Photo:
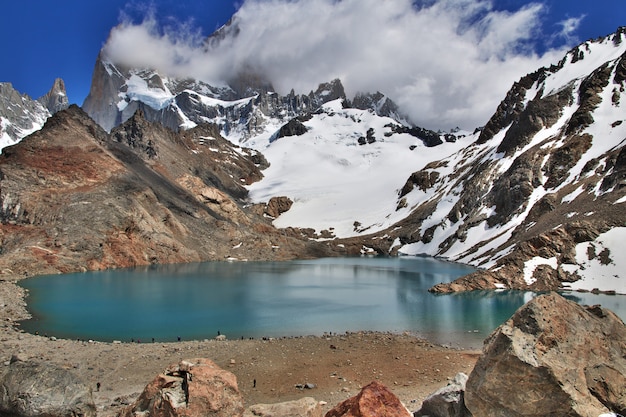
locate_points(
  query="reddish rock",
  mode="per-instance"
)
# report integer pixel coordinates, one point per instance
(374, 400)
(192, 388)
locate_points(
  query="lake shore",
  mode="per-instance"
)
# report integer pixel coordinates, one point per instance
(338, 365)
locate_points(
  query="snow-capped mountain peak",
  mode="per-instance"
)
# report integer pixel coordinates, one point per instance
(20, 115)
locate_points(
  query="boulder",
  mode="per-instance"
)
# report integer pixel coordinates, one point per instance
(38, 389)
(277, 206)
(446, 401)
(304, 407)
(192, 388)
(552, 357)
(374, 400)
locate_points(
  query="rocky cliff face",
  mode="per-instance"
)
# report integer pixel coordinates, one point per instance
(56, 99)
(20, 115)
(247, 108)
(537, 198)
(74, 197)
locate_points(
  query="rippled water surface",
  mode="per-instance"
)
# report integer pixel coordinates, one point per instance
(257, 299)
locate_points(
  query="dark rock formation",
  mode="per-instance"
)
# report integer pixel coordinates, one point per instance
(293, 128)
(553, 357)
(38, 389)
(542, 112)
(447, 401)
(195, 387)
(422, 180)
(428, 137)
(511, 107)
(378, 103)
(374, 400)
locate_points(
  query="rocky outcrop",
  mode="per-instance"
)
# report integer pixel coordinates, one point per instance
(379, 104)
(373, 400)
(277, 206)
(552, 357)
(56, 99)
(304, 407)
(38, 389)
(447, 401)
(422, 180)
(190, 388)
(294, 127)
(511, 107)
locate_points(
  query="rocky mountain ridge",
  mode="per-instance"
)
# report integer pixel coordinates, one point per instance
(537, 199)
(74, 197)
(247, 107)
(20, 115)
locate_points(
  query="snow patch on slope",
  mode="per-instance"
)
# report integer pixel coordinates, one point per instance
(337, 184)
(600, 263)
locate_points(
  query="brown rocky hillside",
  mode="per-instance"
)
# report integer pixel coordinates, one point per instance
(77, 198)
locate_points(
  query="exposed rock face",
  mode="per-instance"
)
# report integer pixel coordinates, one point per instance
(74, 197)
(553, 357)
(38, 389)
(277, 206)
(56, 99)
(192, 388)
(244, 109)
(304, 407)
(447, 401)
(374, 400)
(378, 103)
(293, 128)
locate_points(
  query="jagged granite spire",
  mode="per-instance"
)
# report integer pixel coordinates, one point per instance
(56, 99)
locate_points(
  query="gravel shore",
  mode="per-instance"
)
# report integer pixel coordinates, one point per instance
(338, 365)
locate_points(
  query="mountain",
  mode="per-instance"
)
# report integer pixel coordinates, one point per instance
(20, 115)
(536, 200)
(247, 107)
(189, 171)
(74, 197)
(533, 199)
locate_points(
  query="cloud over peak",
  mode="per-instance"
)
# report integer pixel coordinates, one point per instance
(446, 63)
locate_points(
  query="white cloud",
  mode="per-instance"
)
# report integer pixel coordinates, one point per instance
(569, 27)
(447, 63)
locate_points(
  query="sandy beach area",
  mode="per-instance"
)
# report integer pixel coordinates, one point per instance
(338, 365)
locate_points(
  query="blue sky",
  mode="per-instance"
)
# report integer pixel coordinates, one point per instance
(42, 40)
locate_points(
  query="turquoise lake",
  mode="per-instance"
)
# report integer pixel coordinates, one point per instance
(273, 299)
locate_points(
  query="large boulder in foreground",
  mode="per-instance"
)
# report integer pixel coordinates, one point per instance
(37, 389)
(192, 388)
(374, 400)
(554, 357)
